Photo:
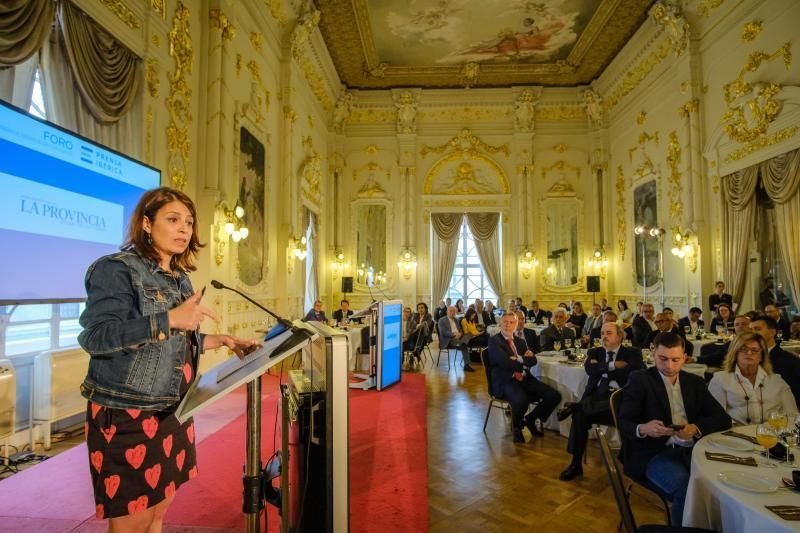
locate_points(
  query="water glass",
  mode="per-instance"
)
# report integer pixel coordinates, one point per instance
(557, 346)
(790, 441)
(778, 420)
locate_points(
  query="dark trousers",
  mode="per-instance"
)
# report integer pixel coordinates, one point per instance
(461, 345)
(582, 423)
(520, 394)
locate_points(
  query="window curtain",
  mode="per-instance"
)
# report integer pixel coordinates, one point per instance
(738, 219)
(487, 241)
(312, 262)
(781, 178)
(444, 247)
(66, 107)
(24, 26)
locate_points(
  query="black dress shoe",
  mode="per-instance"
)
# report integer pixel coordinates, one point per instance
(519, 437)
(570, 472)
(468, 368)
(566, 411)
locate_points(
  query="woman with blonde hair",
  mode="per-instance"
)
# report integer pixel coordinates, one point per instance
(746, 387)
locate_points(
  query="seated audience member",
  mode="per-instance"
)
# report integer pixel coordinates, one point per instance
(421, 330)
(692, 321)
(643, 324)
(604, 305)
(342, 315)
(772, 295)
(665, 323)
(722, 321)
(638, 312)
(658, 435)
(452, 336)
(596, 333)
(714, 354)
(608, 368)
(719, 296)
(556, 331)
(440, 311)
(316, 314)
(460, 307)
(526, 334)
(625, 314)
(489, 310)
(794, 329)
(577, 319)
(536, 314)
(483, 316)
(753, 314)
(510, 363)
(746, 387)
(405, 329)
(469, 325)
(593, 320)
(775, 314)
(784, 363)
(521, 307)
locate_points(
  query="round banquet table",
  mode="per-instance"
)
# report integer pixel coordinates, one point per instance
(712, 504)
(791, 346)
(567, 378)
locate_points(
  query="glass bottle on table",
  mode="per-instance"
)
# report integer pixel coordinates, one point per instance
(767, 437)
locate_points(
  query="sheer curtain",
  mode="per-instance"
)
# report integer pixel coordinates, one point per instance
(781, 178)
(487, 241)
(444, 247)
(738, 218)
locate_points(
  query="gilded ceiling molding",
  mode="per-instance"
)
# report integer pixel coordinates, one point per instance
(406, 104)
(123, 13)
(594, 107)
(160, 7)
(465, 141)
(276, 10)
(560, 112)
(560, 148)
(361, 115)
(179, 100)
(668, 17)
(751, 31)
(151, 76)
(302, 31)
(315, 82)
(620, 204)
(762, 142)
(343, 110)
(525, 110)
(219, 21)
(469, 74)
(633, 77)
(707, 5)
(561, 166)
(465, 114)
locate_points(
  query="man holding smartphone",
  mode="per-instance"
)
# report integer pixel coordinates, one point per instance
(662, 413)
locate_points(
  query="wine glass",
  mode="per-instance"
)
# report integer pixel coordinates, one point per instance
(597, 343)
(568, 343)
(557, 345)
(767, 437)
(778, 420)
(779, 336)
(789, 439)
(687, 329)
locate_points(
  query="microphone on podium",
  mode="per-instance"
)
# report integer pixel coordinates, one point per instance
(282, 321)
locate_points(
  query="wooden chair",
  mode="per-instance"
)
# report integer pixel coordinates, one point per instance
(494, 402)
(621, 495)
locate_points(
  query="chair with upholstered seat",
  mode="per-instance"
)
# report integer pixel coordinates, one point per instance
(494, 401)
(621, 495)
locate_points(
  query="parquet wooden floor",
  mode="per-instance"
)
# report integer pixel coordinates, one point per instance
(485, 483)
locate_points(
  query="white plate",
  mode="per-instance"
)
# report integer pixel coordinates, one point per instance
(731, 443)
(748, 481)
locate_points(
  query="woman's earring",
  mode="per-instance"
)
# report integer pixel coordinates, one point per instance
(149, 240)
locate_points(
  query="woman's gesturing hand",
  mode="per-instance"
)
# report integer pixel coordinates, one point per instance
(190, 313)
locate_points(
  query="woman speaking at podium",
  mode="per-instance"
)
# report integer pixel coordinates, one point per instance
(140, 327)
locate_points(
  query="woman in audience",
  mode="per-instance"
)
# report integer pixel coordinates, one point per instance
(470, 326)
(489, 308)
(421, 332)
(746, 387)
(578, 318)
(459, 306)
(723, 320)
(625, 314)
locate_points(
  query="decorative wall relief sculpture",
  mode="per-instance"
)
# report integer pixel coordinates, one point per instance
(645, 212)
(252, 188)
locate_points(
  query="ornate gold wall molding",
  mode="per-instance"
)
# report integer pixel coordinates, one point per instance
(633, 77)
(464, 114)
(751, 31)
(179, 100)
(276, 10)
(372, 169)
(151, 76)
(465, 156)
(669, 18)
(160, 7)
(688, 108)
(674, 180)
(762, 142)
(707, 5)
(258, 97)
(148, 134)
(256, 39)
(361, 115)
(560, 112)
(561, 166)
(465, 141)
(315, 82)
(219, 21)
(620, 204)
(123, 13)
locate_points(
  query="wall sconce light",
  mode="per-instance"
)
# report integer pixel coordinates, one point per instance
(598, 261)
(407, 263)
(300, 251)
(683, 246)
(338, 265)
(527, 262)
(234, 222)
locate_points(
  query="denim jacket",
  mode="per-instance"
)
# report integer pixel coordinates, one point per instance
(136, 361)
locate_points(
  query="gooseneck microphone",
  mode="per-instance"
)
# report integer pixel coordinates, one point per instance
(286, 323)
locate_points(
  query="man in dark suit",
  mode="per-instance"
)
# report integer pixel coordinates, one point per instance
(784, 363)
(665, 323)
(775, 314)
(536, 314)
(714, 354)
(692, 321)
(608, 368)
(342, 315)
(719, 296)
(452, 336)
(527, 334)
(511, 362)
(558, 331)
(663, 411)
(642, 325)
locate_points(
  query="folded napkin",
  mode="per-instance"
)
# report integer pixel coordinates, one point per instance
(733, 459)
(732, 433)
(787, 512)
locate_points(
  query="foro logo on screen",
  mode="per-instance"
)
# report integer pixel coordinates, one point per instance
(57, 140)
(73, 217)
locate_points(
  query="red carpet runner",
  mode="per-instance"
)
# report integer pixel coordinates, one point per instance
(388, 471)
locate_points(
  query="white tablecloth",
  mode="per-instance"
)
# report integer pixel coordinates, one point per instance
(791, 346)
(357, 361)
(698, 344)
(713, 505)
(569, 379)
